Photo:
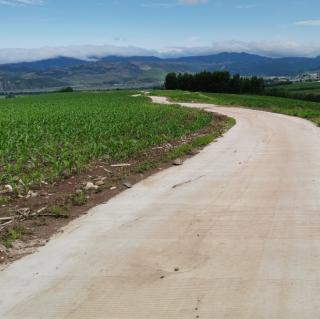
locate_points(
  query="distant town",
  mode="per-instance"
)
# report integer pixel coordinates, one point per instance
(303, 77)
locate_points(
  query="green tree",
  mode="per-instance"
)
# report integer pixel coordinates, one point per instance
(171, 82)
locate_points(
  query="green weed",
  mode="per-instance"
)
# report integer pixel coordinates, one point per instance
(11, 235)
(59, 211)
(79, 199)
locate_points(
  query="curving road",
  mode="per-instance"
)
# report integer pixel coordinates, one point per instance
(233, 233)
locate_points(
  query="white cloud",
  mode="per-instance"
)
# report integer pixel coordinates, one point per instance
(21, 2)
(280, 48)
(87, 52)
(192, 2)
(170, 4)
(246, 6)
(308, 23)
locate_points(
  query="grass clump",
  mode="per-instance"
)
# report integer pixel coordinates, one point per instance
(11, 235)
(79, 199)
(4, 200)
(59, 211)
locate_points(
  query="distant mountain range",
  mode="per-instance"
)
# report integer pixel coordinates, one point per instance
(139, 71)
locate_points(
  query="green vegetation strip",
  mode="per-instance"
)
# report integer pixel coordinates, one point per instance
(299, 87)
(47, 137)
(304, 109)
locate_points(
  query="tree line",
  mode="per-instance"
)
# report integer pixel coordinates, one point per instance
(215, 82)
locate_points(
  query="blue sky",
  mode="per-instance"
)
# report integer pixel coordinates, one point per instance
(169, 27)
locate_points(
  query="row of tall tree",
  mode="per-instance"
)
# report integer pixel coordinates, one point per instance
(217, 82)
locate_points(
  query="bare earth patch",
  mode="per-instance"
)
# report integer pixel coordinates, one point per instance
(29, 222)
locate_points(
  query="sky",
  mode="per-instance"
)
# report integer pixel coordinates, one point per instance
(34, 29)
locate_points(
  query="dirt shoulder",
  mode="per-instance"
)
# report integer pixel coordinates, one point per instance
(29, 222)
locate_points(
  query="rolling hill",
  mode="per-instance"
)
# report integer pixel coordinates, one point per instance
(139, 71)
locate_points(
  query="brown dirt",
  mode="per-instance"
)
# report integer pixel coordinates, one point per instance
(36, 231)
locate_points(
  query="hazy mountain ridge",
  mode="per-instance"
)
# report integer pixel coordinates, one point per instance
(135, 71)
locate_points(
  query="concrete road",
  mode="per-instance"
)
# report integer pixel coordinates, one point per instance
(233, 233)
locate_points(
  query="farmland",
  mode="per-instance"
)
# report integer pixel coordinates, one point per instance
(48, 137)
(305, 109)
(300, 87)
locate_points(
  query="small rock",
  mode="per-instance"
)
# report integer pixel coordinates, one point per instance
(90, 186)
(128, 185)
(193, 152)
(100, 183)
(25, 212)
(113, 188)
(32, 194)
(66, 173)
(162, 277)
(41, 210)
(8, 189)
(78, 191)
(18, 244)
(121, 165)
(176, 269)
(3, 249)
(177, 162)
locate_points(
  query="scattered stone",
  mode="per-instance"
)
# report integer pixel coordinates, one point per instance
(78, 191)
(24, 212)
(128, 185)
(32, 194)
(18, 244)
(176, 269)
(193, 152)
(3, 254)
(41, 210)
(177, 162)
(90, 186)
(113, 188)
(162, 277)
(100, 183)
(121, 165)
(8, 189)
(66, 174)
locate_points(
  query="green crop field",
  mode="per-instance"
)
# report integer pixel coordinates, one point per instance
(300, 87)
(304, 109)
(44, 137)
